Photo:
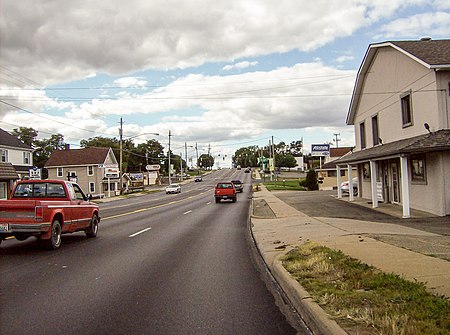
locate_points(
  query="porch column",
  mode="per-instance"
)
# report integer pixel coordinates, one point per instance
(350, 183)
(338, 179)
(373, 183)
(405, 186)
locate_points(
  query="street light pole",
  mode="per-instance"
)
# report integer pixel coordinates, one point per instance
(170, 179)
(120, 157)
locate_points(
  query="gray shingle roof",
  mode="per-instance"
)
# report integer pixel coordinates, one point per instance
(85, 156)
(9, 140)
(436, 141)
(432, 52)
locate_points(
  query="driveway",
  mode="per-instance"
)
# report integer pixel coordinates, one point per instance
(326, 204)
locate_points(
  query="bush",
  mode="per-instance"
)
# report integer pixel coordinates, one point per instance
(311, 181)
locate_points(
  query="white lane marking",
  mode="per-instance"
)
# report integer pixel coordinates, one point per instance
(140, 232)
(187, 212)
(208, 203)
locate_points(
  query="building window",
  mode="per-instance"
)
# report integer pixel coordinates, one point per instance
(418, 169)
(59, 172)
(362, 134)
(3, 190)
(375, 132)
(406, 104)
(26, 158)
(90, 170)
(3, 156)
(366, 171)
(92, 187)
(332, 173)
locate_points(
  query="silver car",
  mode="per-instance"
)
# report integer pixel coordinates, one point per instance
(173, 188)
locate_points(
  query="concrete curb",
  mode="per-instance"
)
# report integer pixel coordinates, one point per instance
(314, 316)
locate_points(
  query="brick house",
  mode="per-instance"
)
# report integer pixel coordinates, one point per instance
(94, 169)
(400, 111)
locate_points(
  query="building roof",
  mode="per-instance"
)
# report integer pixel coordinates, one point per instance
(84, 156)
(430, 142)
(9, 140)
(339, 152)
(7, 172)
(433, 54)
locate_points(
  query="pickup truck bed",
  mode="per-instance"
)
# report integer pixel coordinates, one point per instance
(46, 209)
(225, 191)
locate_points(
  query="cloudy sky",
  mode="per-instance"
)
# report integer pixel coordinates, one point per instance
(228, 74)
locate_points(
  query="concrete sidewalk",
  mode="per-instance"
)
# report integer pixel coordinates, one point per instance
(278, 227)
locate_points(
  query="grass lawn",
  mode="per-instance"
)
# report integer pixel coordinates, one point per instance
(288, 184)
(364, 300)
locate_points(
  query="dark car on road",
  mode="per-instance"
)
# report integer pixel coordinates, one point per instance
(238, 185)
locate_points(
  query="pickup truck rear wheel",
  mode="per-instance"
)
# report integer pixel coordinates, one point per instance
(217, 200)
(234, 199)
(55, 238)
(93, 228)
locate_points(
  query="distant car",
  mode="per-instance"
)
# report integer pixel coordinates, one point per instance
(198, 178)
(238, 167)
(248, 170)
(238, 185)
(345, 188)
(173, 188)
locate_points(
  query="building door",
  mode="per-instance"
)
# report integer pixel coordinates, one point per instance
(395, 182)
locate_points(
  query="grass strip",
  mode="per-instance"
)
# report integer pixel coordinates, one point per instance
(291, 185)
(363, 299)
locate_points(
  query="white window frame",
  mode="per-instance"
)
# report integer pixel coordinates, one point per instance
(90, 170)
(91, 187)
(407, 109)
(26, 158)
(60, 172)
(4, 155)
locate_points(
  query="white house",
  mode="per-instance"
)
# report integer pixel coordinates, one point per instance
(400, 111)
(14, 151)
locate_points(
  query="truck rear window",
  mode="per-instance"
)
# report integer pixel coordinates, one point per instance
(39, 190)
(224, 185)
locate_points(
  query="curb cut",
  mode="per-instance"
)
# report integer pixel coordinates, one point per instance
(313, 315)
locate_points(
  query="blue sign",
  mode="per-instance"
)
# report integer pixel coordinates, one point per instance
(322, 150)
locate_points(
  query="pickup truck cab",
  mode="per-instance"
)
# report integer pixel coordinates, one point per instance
(46, 209)
(225, 191)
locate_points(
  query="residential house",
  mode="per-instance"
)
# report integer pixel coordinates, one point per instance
(328, 172)
(94, 169)
(400, 111)
(14, 151)
(8, 176)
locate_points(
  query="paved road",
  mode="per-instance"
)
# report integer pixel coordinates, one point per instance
(161, 264)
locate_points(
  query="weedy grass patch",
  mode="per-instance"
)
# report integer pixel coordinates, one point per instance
(364, 300)
(288, 184)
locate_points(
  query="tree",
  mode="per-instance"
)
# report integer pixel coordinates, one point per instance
(311, 180)
(295, 148)
(285, 160)
(43, 148)
(26, 134)
(206, 161)
(246, 156)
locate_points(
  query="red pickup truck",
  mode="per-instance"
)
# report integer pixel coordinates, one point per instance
(225, 190)
(46, 209)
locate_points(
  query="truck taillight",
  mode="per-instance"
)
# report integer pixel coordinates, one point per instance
(39, 213)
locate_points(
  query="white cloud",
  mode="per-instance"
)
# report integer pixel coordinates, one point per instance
(117, 37)
(130, 82)
(240, 65)
(428, 24)
(343, 59)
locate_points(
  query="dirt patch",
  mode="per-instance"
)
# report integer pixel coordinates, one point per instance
(262, 210)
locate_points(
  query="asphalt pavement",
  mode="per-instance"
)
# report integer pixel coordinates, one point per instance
(416, 248)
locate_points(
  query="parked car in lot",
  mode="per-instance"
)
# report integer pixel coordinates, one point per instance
(46, 209)
(225, 191)
(198, 178)
(238, 185)
(345, 187)
(173, 188)
(248, 170)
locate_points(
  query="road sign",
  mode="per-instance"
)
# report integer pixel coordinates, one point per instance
(322, 150)
(152, 167)
(112, 172)
(35, 173)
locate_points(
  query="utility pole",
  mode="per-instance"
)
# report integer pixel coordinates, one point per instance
(209, 150)
(170, 178)
(196, 151)
(336, 139)
(273, 155)
(120, 157)
(185, 154)
(181, 166)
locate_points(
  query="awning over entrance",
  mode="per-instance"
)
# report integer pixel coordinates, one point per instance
(7, 172)
(435, 141)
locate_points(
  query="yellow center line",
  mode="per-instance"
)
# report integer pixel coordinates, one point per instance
(153, 207)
